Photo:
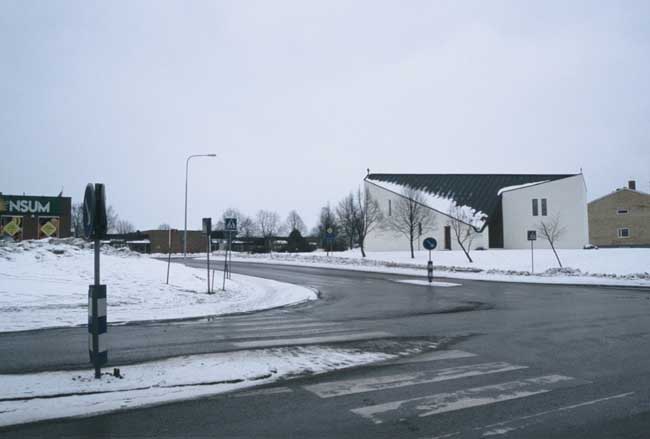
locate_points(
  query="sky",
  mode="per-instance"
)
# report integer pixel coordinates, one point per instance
(298, 99)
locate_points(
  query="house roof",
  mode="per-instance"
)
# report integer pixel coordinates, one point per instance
(618, 191)
(478, 191)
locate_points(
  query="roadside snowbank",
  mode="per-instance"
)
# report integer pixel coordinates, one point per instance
(620, 266)
(53, 395)
(45, 284)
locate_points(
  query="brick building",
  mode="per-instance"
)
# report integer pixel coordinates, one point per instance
(34, 217)
(620, 219)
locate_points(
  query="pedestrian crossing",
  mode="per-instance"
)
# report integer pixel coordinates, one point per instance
(463, 399)
(348, 387)
(283, 328)
(438, 382)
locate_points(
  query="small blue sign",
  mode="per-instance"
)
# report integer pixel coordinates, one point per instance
(430, 243)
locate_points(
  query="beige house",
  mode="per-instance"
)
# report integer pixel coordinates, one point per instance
(620, 219)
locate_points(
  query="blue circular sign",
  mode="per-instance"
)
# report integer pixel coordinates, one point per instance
(430, 243)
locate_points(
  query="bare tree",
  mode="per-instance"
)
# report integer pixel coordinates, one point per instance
(347, 213)
(460, 222)
(295, 222)
(164, 226)
(409, 215)
(123, 227)
(370, 216)
(551, 229)
(269, 224)
(111, 220)
(77, 220)
(247, 226)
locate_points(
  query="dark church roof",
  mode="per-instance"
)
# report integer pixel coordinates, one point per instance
(478, 191)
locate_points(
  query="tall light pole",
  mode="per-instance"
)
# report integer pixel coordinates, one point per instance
(187, 165)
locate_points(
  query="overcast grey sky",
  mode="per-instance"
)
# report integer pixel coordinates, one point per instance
(299, 98)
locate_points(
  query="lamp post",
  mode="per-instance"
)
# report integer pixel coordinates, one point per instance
(187, 165)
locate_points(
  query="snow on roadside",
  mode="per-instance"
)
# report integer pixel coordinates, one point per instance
(620, 266)
(45, 284)
(75, 393)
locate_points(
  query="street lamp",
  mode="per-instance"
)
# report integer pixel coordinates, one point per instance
(187, 164)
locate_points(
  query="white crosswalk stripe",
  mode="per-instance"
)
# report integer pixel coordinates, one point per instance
(435, 356)
(279, 327)
(311, 340)
(263, 392)
(462, 399)
(267, 323)
(285, 332)
(348, 387)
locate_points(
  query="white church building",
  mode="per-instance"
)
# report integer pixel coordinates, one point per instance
(499, 208)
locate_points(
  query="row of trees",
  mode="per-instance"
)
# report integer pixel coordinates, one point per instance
(268, 224)
(265, 223)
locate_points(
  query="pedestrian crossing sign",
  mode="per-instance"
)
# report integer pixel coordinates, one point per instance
(230, 224)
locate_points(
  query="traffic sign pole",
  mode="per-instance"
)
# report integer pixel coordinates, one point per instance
(169, 255)
(95, 316)
(207, 229)
(531, 235)
(95, 225)
(532, 258)
(430, 244)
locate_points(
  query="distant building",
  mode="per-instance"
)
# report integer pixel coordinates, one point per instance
(503, 207)
(158, 241)
(620, 219)
(34, 217)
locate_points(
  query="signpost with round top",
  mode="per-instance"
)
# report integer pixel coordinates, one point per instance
(430, 244)
(95, 228)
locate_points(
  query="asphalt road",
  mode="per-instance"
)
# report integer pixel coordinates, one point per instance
(515, 360)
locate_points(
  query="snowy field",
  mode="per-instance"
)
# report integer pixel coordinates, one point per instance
(45, 284)
(62, 394)
(614, 266)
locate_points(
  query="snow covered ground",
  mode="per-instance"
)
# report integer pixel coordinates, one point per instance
(77, 393)
(45, 284)
(613, 266)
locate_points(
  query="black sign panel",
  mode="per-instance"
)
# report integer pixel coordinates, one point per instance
(207, 225)
(94, 211)
(532, 235)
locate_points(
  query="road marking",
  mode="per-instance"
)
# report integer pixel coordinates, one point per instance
(278, 326)
(435, 356)
(349, 387)
(285, 332)
(462, 399)
(271, 322)
(445, 436)
(262, 392)
(426, 283)
(499, 426)
(311, 340)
